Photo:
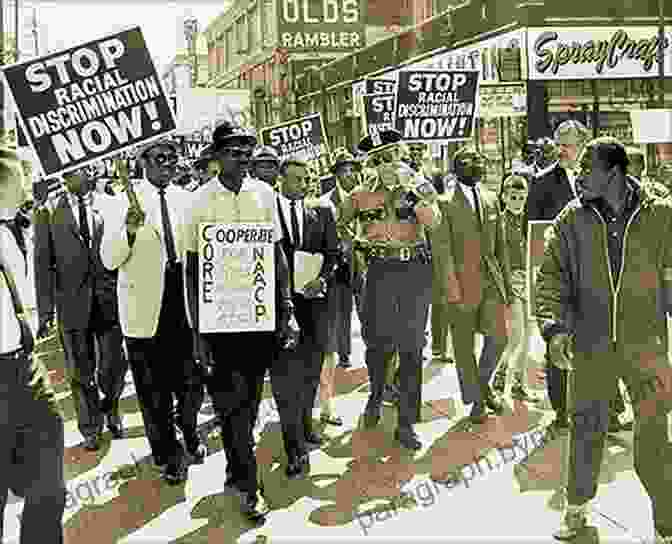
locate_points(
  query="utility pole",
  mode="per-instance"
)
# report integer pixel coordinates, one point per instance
(2, 62)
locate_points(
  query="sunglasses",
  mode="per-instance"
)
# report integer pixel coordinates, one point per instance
(164, 159)
(383, 157)
(237, 152)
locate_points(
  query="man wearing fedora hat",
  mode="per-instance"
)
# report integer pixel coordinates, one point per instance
(143, 241)
(237, 362)
(391, 217)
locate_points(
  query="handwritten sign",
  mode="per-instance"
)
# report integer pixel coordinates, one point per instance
(236, 288)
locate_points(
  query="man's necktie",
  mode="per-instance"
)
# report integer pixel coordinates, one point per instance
(167, 230)
(477, 206)
(296, 233)
(84, 222)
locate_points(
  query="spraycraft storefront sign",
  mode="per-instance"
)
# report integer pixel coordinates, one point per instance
(320, 25)
(597, 52)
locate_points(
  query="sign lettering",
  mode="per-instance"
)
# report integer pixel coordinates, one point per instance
(323, 25)
(597, 53)
(436, 105)
(89, 102)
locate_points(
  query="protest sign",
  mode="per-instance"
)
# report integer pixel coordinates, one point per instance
(537, 231)
(236, 291)
(89, 102)
(436, 105)
(380, 86)
(302, 138)
(379, 111)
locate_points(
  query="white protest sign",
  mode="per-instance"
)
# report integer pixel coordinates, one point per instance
(236, 288)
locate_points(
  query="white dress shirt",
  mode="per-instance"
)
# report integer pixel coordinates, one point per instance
(466, 189)
(285, 209)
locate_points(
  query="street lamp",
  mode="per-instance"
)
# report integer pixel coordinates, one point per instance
(190, 34)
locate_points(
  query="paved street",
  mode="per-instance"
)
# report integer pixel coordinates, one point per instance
(361, 484)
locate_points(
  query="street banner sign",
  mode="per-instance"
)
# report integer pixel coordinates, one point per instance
(303, 138)
(537, 232)
(436, 105)
(317, 26)
(89, 102)
(236, 291)
(379, 112)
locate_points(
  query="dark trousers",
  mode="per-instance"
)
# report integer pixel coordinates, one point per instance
(344, 298)
(488, 319)
(651, 449)
(88, 374)
(396, 306)
(31, 449)
(241, 361)
(163, 370)
(295, 375)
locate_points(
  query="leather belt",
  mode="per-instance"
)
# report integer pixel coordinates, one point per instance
(13, 355)
(399, 254)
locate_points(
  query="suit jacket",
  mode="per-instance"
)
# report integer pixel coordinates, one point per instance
(67, 274)
(471, 259)
(549, 195)
(319, 236)
(142, 266)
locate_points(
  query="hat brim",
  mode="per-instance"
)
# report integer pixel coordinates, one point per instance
(228, 140)
(338, 164)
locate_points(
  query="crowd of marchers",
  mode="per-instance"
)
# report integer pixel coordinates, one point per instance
(115, 256)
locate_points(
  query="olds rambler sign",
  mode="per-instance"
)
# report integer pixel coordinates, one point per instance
(597, 52)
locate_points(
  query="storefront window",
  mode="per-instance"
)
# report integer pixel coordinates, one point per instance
(255, 30)
(242, 36)
(269, 22)
(228, 49)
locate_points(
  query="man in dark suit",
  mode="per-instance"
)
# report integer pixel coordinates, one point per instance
(295, 375)
(71, 278)
(477, 279)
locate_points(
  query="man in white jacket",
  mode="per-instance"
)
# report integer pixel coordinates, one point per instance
(144, 243)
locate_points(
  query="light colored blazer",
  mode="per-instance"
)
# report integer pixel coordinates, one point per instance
(142, 267)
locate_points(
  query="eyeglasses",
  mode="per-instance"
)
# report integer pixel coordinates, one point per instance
(517, 198)
(164, 159)
(382, 157)
(237, 152)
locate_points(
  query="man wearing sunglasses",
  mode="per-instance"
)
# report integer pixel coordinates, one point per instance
(237, 362)
(391, 217)
(72, 283)
(144, 243)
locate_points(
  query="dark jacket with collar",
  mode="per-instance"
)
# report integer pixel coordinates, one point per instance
(67, 274)
(618, 327)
